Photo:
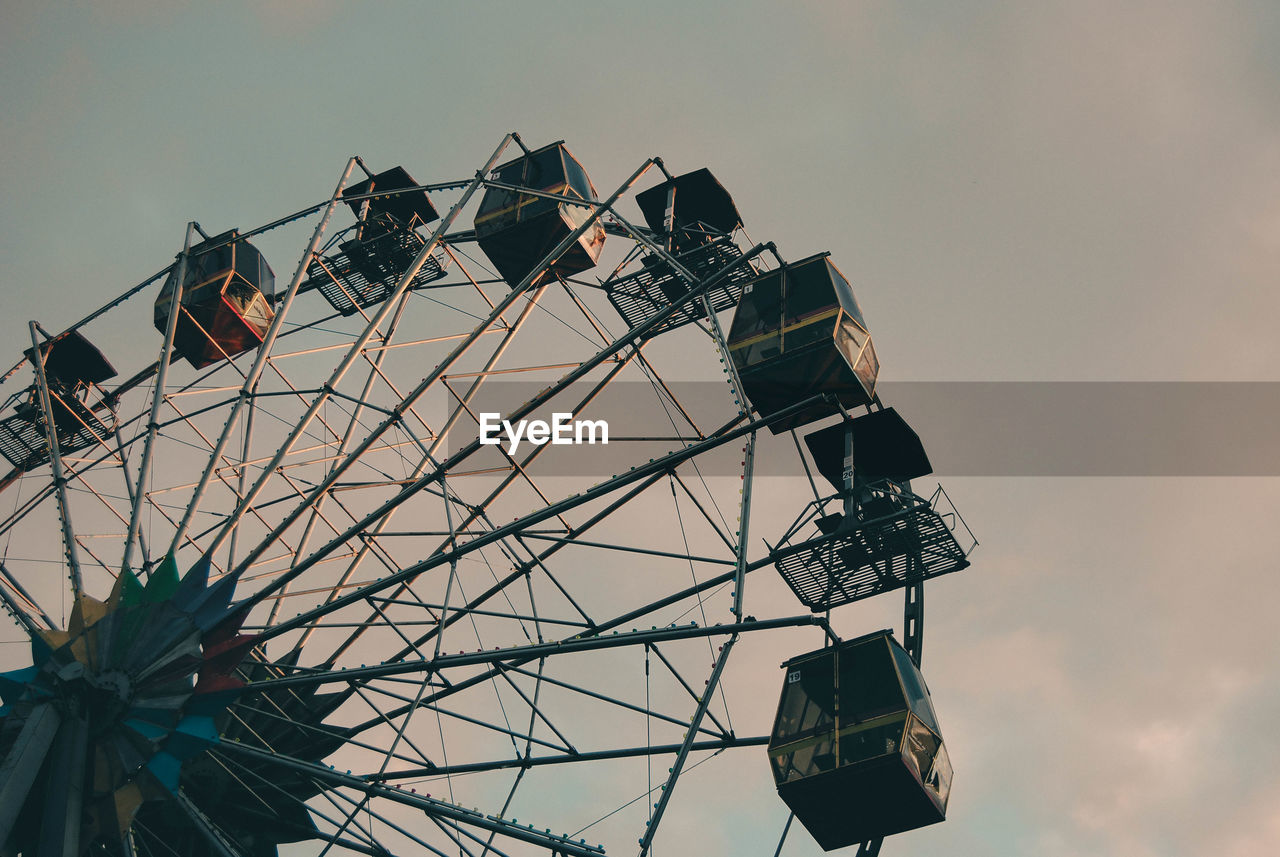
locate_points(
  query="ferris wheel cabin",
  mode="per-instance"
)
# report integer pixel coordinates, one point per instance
(689, 210)
(874, 534)
(695, 219)
(517, 230)
(73, 369)
(393, 207)
(856, 750)
(225, 305)
(797, 333)
(383, 244)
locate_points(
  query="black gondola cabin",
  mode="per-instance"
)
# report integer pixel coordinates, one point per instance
(701, 210)
(797, 333)
(82, 417)
(368, 266)
(694, 218)
(855, 750)
(226, 307)
(517, 230)
(398, 208)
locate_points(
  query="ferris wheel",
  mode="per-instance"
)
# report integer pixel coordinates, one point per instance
(423, 546)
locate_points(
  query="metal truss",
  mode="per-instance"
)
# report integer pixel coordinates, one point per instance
(441, 648)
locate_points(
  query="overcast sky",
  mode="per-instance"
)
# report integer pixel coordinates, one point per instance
(1019, 192)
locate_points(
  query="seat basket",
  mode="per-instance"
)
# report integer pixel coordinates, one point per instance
(640, 296)
(22, 435)
(863, 558)
(365, 273)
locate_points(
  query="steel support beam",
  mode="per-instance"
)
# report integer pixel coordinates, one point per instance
(23, 763)
(436, 809)
(55, 462)
(682, 755)
(64, 792)
(523, 654)
(591, 756)
(157, 399)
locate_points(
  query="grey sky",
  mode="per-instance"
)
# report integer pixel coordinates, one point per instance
(1030, 192)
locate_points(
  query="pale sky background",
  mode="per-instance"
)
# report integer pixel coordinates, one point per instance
(1031, 192)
